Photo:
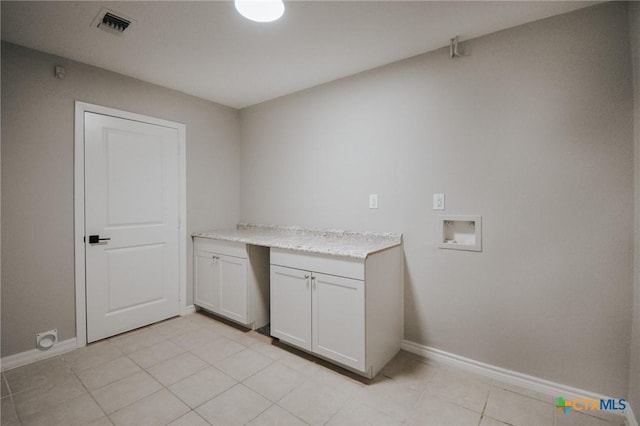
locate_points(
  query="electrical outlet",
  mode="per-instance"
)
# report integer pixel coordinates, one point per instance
(373, 201)
(438, 201)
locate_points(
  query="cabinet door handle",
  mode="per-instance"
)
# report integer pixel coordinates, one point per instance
(313, 282)
(215, 257)
(306, 277)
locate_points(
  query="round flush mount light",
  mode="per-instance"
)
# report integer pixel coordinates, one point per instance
(260, 10)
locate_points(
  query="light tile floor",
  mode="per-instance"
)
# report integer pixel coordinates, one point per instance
(196, 370)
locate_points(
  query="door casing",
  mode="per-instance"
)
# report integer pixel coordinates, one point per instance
(79, 210)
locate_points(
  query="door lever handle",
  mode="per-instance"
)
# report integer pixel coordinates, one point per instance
(95, 239)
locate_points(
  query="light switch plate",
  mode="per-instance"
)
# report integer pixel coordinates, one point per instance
(373, 201)
(438, 201)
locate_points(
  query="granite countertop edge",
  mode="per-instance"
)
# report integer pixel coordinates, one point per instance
(357, 245)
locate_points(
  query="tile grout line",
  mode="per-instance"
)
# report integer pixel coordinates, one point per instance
(158, 363)
(166, 387)
(13, 403)
(88, 392)
(349, 399)
(260, 413)
(11, 393)
(138, 400)
(188, 351)
(176, 396)
(108, 415)
(273, 361)
(287, 411)
(486, 402)
(283, 396)
(122, 354)
(208, 400)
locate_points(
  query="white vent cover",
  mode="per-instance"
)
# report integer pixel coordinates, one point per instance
(112, 22)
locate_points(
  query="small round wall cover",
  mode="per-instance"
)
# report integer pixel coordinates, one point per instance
(47, 339)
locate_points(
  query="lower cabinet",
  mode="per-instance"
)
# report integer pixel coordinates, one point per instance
(291, 306)
(233, 288)
(221, 285)
(206, 289)
(345, 310)
(340, 313)
(320, 313)
(337, 324)
(230, 280)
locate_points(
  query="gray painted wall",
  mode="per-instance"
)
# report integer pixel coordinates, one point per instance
(37, 179)
(533, 130)
(634, 371)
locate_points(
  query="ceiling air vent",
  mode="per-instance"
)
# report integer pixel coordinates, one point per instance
(112, 22)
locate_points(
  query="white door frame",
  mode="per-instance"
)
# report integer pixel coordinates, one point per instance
(79, 213)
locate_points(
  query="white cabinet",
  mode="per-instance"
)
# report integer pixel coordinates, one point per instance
(232, 276)
(230, 280)
(290, 306)
(320, 313)
(206, 281)
(337, 308)
(345, 310)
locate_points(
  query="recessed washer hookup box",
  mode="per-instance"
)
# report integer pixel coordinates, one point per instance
(460, 232)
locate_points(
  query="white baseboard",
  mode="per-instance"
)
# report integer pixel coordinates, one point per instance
(508, 376)
(191, 309)
(631, 418)
(33, 355)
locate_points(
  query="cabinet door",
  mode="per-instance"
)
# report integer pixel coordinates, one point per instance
(206, 280)
(233, 288)
(291, 306)
(338, 319)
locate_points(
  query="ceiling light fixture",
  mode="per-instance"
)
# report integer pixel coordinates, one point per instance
(260, 10)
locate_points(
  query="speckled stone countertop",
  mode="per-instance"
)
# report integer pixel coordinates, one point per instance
(356, 245)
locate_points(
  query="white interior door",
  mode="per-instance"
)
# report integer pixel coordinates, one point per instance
(132, 202)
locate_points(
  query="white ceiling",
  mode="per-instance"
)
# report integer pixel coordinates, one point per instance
(204, 48)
